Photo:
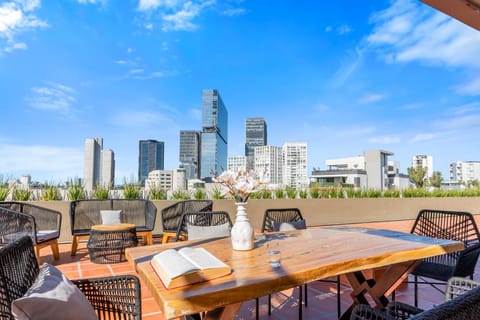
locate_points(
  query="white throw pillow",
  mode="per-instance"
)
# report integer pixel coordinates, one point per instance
(52, 296)
(288, 226)
(205, 232)
(111, 216)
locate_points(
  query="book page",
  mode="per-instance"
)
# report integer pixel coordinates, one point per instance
(202, 258)
(173, 263)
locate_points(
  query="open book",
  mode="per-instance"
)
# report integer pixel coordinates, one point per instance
(187, 266)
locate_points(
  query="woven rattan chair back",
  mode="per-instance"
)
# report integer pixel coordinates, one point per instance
(18, 271)
(202, 218)
(452, 225)
(116, 297)
(462, 304)
(280, 215)
(172, 215)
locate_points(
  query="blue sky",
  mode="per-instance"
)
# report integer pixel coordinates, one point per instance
(343, 76)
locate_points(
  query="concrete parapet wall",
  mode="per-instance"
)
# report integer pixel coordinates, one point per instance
(392, 213)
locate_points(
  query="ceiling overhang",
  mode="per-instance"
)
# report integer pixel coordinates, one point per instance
(466, 11)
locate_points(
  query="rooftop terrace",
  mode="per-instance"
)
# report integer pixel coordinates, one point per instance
(321, 295)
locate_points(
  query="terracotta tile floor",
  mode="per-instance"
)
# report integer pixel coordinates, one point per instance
(321, 295)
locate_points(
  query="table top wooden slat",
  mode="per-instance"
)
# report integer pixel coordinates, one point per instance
(307, 255)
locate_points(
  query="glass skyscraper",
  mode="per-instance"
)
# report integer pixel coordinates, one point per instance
(214, 134)
(255, 135)
(151, 156)
(189, 155)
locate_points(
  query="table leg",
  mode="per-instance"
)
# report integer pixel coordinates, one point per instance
(224, 313)
(378, 289)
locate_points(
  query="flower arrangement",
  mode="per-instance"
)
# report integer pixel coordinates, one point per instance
(239, 184)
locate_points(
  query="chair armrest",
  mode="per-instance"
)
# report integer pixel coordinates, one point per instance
(120, 295)
(401, 310)
(365, 312)
(14, 225)
(150, 216)
(467, 260)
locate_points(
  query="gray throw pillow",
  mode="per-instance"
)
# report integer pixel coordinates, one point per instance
(111, 216)
(52, 296)
(205, 232)
(286, 226)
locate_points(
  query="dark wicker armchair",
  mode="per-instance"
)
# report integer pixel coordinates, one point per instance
(18, 219)
(171, 215)
(201, 219)
(116, 297)
(462, 302)
(86, 212)
(452, 225)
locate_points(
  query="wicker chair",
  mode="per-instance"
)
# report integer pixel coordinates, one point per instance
(172, 215)
(85, 213)
(270, 219)
(453, 225)
(462, 298)
(203, 219)
(18, 219)
(116, 297)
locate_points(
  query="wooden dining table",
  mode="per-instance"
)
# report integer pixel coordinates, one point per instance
(307, 255)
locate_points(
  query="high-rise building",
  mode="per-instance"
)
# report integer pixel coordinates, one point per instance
(236, 162)
(92, 164)
(108, 168)
(268, 161)
(214, 150)
(173, 180)
(466, 171)
(189, 155)
(425, 162)
(255, 135)
(295, 165)
(99, 165)
(151, 156)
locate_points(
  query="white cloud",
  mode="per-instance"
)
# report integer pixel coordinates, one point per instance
(348, 65)
(147, 5)
(176, 15)
(385, 140)
(472, 87)
(234, 12)
(410, 31)
(53, 97)
(16, 17)
(53, 163)
(92, 1)
(423, 137)
(328, 29)
(371, 98)
(344, 29)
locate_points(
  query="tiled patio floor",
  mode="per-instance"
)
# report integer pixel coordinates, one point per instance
(321, 295)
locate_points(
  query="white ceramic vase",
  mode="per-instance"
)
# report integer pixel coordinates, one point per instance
(242, 230)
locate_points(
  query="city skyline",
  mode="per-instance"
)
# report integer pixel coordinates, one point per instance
(342, 77)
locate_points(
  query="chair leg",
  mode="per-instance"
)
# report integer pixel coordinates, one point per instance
(269, 304)
(339, 300)
(74, 246)
(257, 306)
(415, 290)
(55, 251)
(306, 295)
(300, 303)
